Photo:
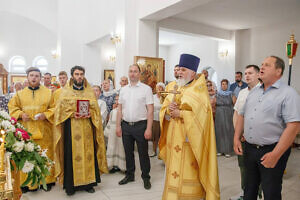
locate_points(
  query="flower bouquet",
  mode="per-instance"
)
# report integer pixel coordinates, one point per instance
(27, 155)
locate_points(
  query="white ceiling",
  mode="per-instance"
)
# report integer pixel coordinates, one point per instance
(243, 14)
(168, 38)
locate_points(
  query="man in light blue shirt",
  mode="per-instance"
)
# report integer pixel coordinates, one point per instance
(270, 120)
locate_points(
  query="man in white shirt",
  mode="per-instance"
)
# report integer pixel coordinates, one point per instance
(101, 103)
(251, 78)
(134, 123)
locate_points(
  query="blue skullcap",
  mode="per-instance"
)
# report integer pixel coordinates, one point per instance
(189, 61)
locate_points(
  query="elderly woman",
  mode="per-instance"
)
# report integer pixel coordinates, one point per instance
(212, 96)
(223, 121)
(115, 153)
(108, 95)
(156, 127)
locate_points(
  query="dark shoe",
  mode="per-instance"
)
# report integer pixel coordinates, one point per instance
(153, 155)
(49, 187)
(114, 170)
(24, 189)
(126, 180)
(70, 193)
(91, 190)
(147, 184)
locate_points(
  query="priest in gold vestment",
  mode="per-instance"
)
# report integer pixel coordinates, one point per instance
(79, 146)
(187, 143)
(33, 107)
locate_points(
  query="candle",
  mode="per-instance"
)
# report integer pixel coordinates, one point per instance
(9, 182)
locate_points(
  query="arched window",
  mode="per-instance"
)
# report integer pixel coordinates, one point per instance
(17, 64)
(41, 63)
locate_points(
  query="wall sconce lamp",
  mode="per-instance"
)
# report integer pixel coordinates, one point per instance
(112, 59)
(223, 53)
(54, 54)
(114, 38)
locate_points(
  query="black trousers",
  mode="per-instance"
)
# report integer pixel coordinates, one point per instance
(68, 184)
(256, 173)
(130, 134)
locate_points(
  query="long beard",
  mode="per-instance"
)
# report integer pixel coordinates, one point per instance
(78, 84)
(181, 82)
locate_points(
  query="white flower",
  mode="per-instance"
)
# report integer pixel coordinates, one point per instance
(18, 146)
(29, 147)
(11, 129)
(4, 114)
(44, 153)
(28, 167)
(18, 125)
(6, 124)
(38, 148)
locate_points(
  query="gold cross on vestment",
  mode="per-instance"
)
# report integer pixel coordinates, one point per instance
(175, 175)
(174, 92)
(177, 148)
(194, 164)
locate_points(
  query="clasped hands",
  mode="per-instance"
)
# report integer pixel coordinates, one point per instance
(40, 116)
(77, 115)
(174, 110)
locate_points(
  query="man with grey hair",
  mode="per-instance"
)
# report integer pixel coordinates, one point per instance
(270, 120)
(187, 143)
(123, 81)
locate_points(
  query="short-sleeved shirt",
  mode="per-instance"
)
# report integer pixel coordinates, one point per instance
(266, 113)
(235, 88)
(239, 104)
(134, 100)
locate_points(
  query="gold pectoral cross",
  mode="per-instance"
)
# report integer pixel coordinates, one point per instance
(174, 92)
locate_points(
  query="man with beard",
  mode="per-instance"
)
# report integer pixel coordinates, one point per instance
(79, 148)
(33, 107)
(187, 144)
(236, 87)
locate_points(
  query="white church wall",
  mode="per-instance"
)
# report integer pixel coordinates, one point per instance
(27, 38)
(269, 40)
(43, 12)
(164, 53)
(207, 51)
(85, 23)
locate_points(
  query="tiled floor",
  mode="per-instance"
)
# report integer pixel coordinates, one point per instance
(228, 173)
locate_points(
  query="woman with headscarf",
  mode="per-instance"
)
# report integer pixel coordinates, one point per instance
(156, 127)
(223, 121)
(108, 95)
(212, 96)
